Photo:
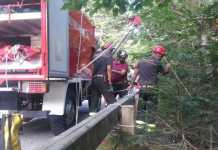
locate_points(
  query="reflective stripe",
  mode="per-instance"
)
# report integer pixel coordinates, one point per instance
(98, 75)
(147, 86)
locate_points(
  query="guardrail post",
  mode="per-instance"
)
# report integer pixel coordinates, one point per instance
(127, 119)
(128, 115)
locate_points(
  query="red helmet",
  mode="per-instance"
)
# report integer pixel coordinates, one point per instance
(158, 49)
(135, 20)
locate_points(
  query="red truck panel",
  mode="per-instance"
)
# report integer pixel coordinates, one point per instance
(44, 39)
(17, 28)
(82, 41)
(79, 54)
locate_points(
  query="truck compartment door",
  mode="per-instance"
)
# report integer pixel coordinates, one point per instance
(58, 37)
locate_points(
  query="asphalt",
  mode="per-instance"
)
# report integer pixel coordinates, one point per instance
(37, 131)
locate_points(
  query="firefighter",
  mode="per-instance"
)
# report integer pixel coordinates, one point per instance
(147, 70)
(101, 80)
(119, 74)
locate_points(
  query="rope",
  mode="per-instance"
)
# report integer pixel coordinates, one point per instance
(211, 137)
(163, 121)
(80, 97)
(77, 98)
(188, 143)
(80, 41)
(180, 81)
(18, 5)
(185, 141)
(6, 71)
(79, 92)
(9, 13)
(214, 130)
(106, 50)
(123, 40)
(93, 60)
(21, 3)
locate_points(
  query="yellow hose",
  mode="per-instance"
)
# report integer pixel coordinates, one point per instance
(11, 127)
(6, 131)
(17, 120)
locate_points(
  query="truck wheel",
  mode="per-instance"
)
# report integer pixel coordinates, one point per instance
(60, 123)
(57, 124)
(70, 113)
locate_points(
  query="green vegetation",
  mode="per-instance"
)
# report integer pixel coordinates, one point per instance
(189, 30)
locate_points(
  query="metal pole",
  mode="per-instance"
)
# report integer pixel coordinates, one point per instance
(106, 50)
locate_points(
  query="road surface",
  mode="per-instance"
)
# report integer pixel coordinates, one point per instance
(37, 132)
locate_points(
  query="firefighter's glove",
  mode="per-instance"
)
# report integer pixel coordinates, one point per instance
(110, 88)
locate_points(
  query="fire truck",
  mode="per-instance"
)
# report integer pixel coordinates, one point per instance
(42, 46)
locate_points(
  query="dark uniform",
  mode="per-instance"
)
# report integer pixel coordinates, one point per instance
(148, 72)
(99, 85)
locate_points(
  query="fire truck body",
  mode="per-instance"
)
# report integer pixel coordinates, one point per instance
(41, 48)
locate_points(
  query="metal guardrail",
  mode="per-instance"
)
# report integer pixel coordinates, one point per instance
(88, 134)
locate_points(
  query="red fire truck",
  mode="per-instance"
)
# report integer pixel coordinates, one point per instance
(41, 48)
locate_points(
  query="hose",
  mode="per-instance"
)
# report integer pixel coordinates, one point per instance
(11, 126)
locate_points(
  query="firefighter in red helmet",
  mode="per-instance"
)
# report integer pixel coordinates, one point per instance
(160, 50)
(148, 70)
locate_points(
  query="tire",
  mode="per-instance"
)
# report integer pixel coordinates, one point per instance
(70, 113)
(57, 124)
(61, 123)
